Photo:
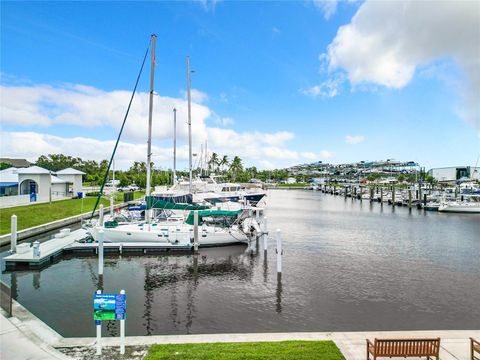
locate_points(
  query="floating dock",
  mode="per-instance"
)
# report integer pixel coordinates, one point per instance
(69, 242)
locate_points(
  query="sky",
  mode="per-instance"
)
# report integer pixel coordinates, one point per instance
(276, 83)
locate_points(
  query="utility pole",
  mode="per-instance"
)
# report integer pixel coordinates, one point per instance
(150, 111)
(174, 146)
(189, 127)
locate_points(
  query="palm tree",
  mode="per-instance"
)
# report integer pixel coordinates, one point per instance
(213, 162)
(224, 162)
(236, 166)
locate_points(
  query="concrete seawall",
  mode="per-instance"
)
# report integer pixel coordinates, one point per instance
(37, 230)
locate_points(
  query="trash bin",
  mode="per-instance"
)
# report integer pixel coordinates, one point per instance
(33, 197)
(80, 194)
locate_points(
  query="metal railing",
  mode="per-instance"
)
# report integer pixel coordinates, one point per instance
(6, 298)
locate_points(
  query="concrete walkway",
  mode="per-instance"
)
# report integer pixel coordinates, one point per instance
(27, 337)
(17, 342)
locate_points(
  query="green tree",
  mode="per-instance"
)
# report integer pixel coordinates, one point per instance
(213, 162)
(236, 167)
(4, 165)
(224, 163)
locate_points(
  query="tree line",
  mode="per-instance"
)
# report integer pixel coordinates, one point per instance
(220, 165)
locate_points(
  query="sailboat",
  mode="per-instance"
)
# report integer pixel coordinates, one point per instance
(216, 227)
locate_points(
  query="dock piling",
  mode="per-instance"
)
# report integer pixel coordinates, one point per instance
(195, 231)
(100, 252)
(279, 252)
(409, 198)
(100, 215)
(111, 206)
(36, 249)
(265, 234)
(13, 236)
(381, 195)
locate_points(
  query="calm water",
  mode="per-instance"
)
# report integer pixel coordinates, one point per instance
(348, 266)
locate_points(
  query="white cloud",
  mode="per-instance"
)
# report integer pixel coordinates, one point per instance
(225, 121)
(354, 139)
(309, 155)
(325, 154)
(196, 96)
(386, 41)
(267, 165)
(96, 112)
(328, 7)
(275, 30)
(208, 5)
(43, 105)
(329, 88)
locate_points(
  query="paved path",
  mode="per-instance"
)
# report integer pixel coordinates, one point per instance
(17, 342)
(26, 337)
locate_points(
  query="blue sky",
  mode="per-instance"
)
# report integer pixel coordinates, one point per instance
(263, 89)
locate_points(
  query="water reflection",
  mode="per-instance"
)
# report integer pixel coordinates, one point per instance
(338, 252)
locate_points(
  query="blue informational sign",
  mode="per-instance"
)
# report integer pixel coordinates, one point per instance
(109, 306)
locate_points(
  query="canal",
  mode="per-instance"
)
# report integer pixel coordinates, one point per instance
(347, 266)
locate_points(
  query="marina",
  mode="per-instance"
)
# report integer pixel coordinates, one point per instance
(337, 251)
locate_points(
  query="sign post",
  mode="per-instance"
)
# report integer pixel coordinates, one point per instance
(122, 326)
(98, 324)
(110, 307)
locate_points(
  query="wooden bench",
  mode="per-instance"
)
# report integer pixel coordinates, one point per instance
(403, 348)
(474, 348)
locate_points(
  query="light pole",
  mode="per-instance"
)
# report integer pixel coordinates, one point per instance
(174, 146)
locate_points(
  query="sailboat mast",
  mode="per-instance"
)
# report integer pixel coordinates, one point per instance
(189, 127)
(174, 146)
(150, 111)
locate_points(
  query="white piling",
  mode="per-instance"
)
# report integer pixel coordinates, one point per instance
(36, 249)
(257, 215)
(111, 206)
(195, 231)
(100, 252)
(13, 236)
(279, 252)
(265, 234)
(99, 334)
(122, 330)
(100, 215)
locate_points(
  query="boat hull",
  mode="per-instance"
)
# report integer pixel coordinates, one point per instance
(172, 235)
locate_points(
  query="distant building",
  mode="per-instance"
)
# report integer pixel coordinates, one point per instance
(17, 163)
(455, 173)
(291, 180)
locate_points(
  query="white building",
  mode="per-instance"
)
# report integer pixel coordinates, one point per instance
(74, 177)
(36, 184)
(454, 173)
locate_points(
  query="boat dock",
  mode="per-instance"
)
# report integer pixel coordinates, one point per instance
(42, 254)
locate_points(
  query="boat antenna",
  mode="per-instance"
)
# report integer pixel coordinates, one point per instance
(189, 127)
(100, 193)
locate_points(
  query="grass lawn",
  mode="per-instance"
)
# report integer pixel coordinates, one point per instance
(136, 195)
(293, 185)
(38, 214)
(283, 350)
